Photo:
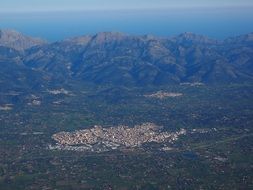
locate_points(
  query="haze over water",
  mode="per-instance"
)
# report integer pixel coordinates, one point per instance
(56, 24)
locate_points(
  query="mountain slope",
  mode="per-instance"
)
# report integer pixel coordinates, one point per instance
(115, 58)
(119, 59)
(18, 41)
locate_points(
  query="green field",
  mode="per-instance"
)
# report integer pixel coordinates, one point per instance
(221, 160)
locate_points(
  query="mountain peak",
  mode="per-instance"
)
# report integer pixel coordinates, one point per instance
(80, 40)
(108, 36)
(247, 38)
(13, 39)
(191, 38)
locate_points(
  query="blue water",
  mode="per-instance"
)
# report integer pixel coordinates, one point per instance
(52, 26)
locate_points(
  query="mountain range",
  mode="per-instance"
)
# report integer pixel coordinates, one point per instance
(111, 58)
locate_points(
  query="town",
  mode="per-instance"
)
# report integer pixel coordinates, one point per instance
(114, 137)
(162, 95)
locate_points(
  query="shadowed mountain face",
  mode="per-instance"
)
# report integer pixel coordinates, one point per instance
(15, 76)
(119, 59)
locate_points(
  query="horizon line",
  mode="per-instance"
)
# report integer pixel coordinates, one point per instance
(127, 34)
(170, 8)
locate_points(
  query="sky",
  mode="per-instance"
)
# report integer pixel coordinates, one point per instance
(60, 5)
(59, 19)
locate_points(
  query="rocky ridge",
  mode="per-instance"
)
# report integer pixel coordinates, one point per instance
(117, 59)
(18, 41)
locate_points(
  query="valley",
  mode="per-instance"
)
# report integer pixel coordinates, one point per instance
(114, 111)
